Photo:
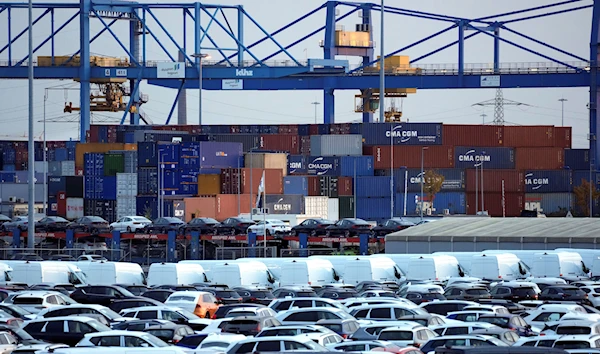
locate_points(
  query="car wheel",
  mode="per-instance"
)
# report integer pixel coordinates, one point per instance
(293, 233)
(233, 232)
(347, 233)
(268, 232)
(215, 232)
(129, 229)
(313, 233)
(328, 233)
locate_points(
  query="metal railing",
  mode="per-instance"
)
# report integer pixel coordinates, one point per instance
(305, 252)
(48, 253)
(223, 253)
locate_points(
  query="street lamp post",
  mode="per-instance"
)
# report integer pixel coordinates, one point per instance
(422, 177)
(200, 56)
(562, 109)
(315, 103)
(45, 159)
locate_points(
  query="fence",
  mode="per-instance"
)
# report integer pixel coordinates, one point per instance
(244, 252)
(58, 254)
(305, 252)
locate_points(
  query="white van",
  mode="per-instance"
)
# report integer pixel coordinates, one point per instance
(206, 265)
(401, 259)
(588, 256)
(433, 267)
(463, 258)
(380, 269)
(526, 256)
(567, 265)
(308, 272)
(5, 273)
(175, 274)
(273, 263)
(251, 274)
(31, 272)
(338, 262)
(498, 267)
(108, 273)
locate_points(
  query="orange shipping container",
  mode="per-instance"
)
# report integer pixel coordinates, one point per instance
(209, 184)
(550, 158)
(529, 136)
(81, 149)
(231, 176)
(200, 207)
(219, 207)
(562, 137)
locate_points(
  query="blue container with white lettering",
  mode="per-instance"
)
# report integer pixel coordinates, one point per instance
(555, 181)
(454, 179)
(402, 133)
(323, 166)
(297, 165)
(495, 158)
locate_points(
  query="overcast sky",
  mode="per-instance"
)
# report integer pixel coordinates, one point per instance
(570, 32)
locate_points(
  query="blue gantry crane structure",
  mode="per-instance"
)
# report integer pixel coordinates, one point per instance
(236, 64)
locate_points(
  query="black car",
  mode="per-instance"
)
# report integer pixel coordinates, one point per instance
(389, 226)
(563, 292)
(312, 227)
(160, 295)
(89, 224)
(51, 224)
(233, 226)
(421, 297)
(176, 287)
(442, 307)
(255, 296)
(23, 337)
(249, 325)
(335, 294)
(135, 289)
(294, 292)
(223, 310)
(170, 332)
(68, 331)
(348, 227)
(224, 296)
(466, 291)
(100, 294)
(164, 225)
(206, 226)
(344, 328)
(118, 305)
(515, 292)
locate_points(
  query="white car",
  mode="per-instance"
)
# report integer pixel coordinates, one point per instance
(272, 227)
(582, 341)
(551, 313)
(91, 258)
(457, 328)
(220, 340)
(8, 342)
(310, 315)
(324, 339)
(130, 224)
(121, 339)
(593, 293)
(275, 344)
(406, 335)
(38, 300)
(490, 308)
(251, 311)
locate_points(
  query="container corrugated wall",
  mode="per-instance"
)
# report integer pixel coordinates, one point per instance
(356, 165)
(514, 181)
(126, 206)
(373, 208)
(336, 145)
(563, 137)
(402, 133)
(287, 143)
(285, 204)
(577, 159)
(410, 156)
(454, 179)
(372, 186)
(550, 203)
(454, 202)
(556, 181)
(209, 184)
(539, 158)
(295, 185)
(474, 135)
(127, 184)
(493, 202)
(529, 136)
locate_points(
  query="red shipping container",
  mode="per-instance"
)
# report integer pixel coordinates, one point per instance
(61, 203)
(314, 186)
(279, 142)
(338, 129)
(230, 205)
(410, 156)
(231, 176)
(563, 137)
(345, 186)
(92, 134)
(473, 135)
(549, 158)
(529, 136)
(514, 203)
(313, 129)
(514, 181)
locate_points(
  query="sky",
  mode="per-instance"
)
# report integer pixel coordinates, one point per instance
(569, 32)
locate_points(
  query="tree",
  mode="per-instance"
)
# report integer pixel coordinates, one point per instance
(582, 196)
(432, 184)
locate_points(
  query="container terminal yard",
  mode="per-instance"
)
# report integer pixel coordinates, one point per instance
(148, 218)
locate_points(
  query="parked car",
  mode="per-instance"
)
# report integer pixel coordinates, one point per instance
(466, 291)
(514, 291)
(512, 322)
(389, 226)
(4, 219)
(26, 257)
(233, 226)
(170, 333)
(51, 224)
(224, 296)
(89, 224)
(205, 226)
(62, 258)
(100, 294)
(67, 330)
(130, 224)
(271, 227)
(164, 225)
(563, 292)
(160, 295)
(348, 227)
(91, 258)
(256, 296)
(294, 292)
(127, 339)
(249, 325)
(16, 223)
(312, 227)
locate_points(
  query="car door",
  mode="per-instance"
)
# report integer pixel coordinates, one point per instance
(54, 332)
(75, 331)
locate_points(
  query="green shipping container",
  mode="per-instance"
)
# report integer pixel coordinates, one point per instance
(346, 207)
(113, 164)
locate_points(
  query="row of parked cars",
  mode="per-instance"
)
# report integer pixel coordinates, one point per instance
(458, 315)
(230, 226)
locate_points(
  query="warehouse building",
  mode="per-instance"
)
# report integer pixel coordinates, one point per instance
(475, 234)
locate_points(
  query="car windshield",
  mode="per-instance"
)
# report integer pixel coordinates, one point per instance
(140, 219)
(573, 330)
(572, 291)
(567, 344)
(210, 221)
(18, 310)
(245, 220)
(227, 294)
(232, 314)
(22, 300)
(215, 345)
(523, 291)
(262, 294)
(97, 326)
(96, 219)
(182, 298)
(396, 335)
(96, 257)
(477, 292)
(336, 327)
(110, 314)
(174, 220)
(498, 321)
(156, 342)
(161, 333)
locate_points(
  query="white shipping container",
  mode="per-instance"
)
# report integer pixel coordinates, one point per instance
(67, 168)
(336, 145)
(316, 206)
(74, 208)
(38, 166)
(126, 185)
(333, 209)
(125, 206)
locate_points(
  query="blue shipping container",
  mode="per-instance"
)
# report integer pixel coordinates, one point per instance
(188, 189)
(323, 166)
(188, 176)
(454, 179)
(297, 165)
(61, 154)
(89, 187)
(304, 130)
(109, 188)
(284, 204)
(71, 144)
(170, 179)
(169, 153)
(148, 207)
(584, 175)
(577, 159)
(248, 141)
(220, 154)
(557, 181)
(71, 154)
(455, 202)
(9, 167)
(372, 186)
(356, 165)
(295, 185)
(373, 208)
(496, 158)
(147, 154)
(93, 164)
(8, 177)
(402, 133)
(9, 155)
(56, 185)
(549, 203)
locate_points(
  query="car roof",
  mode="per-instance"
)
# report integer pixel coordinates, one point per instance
(578, 337)
(151, 308)
(404, 327)
(115, 332)
(63, 318)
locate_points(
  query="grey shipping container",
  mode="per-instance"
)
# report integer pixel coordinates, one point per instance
(336, 145)
(285, 204)
(551, 204)
(346, 207)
